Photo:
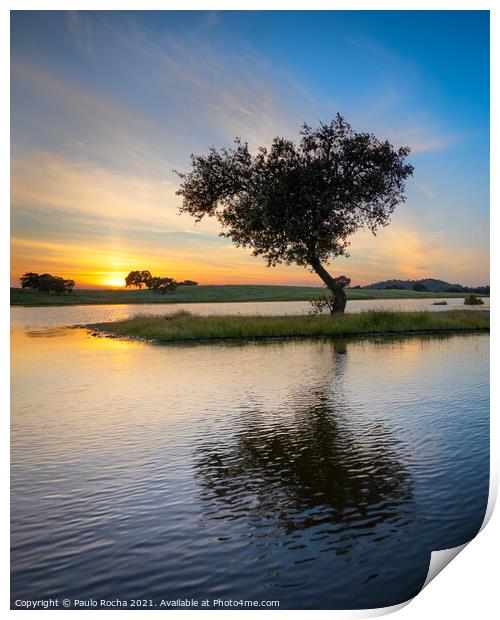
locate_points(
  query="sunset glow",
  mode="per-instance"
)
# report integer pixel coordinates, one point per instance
(105, 106)
(113, 281)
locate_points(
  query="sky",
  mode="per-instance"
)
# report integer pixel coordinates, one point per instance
(106, 105)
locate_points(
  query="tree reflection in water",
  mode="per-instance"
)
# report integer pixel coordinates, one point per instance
(319, 470)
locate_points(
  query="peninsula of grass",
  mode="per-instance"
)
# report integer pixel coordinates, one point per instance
(205, 294)
(183, 326)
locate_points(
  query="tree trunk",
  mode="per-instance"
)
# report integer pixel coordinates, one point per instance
(336, 286)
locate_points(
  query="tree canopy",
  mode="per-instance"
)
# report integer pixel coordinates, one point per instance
(162, 285)
(299, 203)
(138, 278)
(46, 283)
(156, 284)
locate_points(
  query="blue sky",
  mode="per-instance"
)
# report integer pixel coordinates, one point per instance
(106, 104)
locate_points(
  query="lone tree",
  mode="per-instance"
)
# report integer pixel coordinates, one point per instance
(299, 204)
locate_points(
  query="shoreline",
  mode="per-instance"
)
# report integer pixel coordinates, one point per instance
(429, 332)
(224, 301)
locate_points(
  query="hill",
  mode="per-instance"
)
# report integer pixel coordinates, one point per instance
(430, 284)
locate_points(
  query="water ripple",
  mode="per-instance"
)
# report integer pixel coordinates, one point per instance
(295, 471)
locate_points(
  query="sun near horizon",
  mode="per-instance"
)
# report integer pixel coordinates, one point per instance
(106, 106)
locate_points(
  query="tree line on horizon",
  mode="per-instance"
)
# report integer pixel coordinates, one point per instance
(427, 284)
(291, 203)
(157, 284)
(47, 283)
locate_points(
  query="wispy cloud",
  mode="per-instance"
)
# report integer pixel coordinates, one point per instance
(423, 189)
(238, 95)
(95, 140)
(370, 47)
(421, 140)
(52, 185)
(80, 27)
(101, 129)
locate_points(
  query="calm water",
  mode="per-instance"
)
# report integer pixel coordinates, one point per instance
(72, 315)
(316, 473)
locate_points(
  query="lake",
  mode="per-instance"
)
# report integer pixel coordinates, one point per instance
(316, 473)
(73, 315)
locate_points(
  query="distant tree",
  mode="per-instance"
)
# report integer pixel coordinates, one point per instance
(187, 283)
(418, 286)
(162, 285)
(132, 278)
(153, 283)
(69, 285)
(59, 285)
(473, 300)
(138, 278)
(167, 285)
(29, 280)
(482, 290)
(299, 204)
(47, 283)
(144, 277)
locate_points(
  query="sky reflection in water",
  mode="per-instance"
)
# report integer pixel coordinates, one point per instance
(317, 473)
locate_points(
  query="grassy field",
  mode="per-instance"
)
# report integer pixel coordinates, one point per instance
(201, 294)
(184, 326)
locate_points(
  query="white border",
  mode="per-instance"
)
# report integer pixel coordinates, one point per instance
(263, 5)
(466, 588)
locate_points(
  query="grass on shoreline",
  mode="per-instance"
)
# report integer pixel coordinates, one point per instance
(184, 326)
(204, 294)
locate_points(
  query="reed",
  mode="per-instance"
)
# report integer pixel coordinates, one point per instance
(185, 326)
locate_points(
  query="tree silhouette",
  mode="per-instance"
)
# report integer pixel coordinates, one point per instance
(29, 280)
(299, 204)
(47, 283)
(132, 279)
(156, 284)
(138, 278)
(161, 285)
(419, 286)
